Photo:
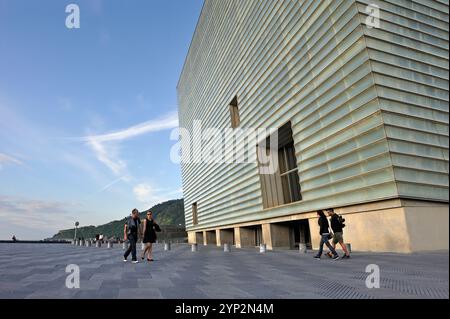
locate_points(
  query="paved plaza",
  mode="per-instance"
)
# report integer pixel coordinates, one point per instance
(39, 271)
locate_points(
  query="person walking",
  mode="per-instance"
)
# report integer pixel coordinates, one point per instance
(337, 225)
(131, 232)
(325, 235)
(149, 229)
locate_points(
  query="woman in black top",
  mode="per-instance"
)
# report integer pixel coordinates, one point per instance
(150, 226)
(325, 235)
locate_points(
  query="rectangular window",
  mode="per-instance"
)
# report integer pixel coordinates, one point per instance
(283, 185)
(194, 214)
(234, 113)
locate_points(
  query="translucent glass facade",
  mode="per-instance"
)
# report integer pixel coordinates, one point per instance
(368, 106)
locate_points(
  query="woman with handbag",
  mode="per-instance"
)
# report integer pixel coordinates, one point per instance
(149, 230)
(325, 236)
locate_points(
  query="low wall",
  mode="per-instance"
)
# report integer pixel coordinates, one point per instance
(33, 242)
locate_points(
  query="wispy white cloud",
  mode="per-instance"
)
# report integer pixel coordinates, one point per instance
(144, 192)
(166, 122)
(105, 146)
(7, 159)
(114, 182)
(107, 155)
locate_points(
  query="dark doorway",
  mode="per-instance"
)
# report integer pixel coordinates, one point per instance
(299, 233)
(258, 235)
(303, 234)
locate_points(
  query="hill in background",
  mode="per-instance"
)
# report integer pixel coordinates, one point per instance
(169, 215)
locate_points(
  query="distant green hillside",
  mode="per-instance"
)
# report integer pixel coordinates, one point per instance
(167, 214)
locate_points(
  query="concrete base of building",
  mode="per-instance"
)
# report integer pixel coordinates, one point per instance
(397, 225)
(409, 226)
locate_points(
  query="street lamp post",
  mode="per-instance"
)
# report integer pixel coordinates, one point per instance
(76, 227)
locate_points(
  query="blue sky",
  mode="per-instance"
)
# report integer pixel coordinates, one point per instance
(86, 114)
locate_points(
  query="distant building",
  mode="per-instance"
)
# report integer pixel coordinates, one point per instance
(359, 95)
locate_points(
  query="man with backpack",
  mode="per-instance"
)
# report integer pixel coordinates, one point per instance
(337, 225)
(131, 233)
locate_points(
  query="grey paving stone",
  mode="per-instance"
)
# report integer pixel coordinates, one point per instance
(28, 271)
(155, 283)
(48, 293)
(224, 292)
(140, 293)
(174, 293)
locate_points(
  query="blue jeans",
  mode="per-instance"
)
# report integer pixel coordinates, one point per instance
(132, 248)
(325, 240)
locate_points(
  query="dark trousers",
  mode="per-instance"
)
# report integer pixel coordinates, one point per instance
(132, 248)
(325, 240)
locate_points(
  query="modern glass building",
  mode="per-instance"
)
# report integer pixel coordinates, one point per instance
(357, 91)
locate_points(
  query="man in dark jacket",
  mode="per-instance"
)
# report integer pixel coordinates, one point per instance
(324, 231)
(338, 232)
(131, 232)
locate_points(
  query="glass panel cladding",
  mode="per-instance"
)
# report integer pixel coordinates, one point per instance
(368, 106)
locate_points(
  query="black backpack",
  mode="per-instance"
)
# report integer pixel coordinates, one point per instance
(341, 221)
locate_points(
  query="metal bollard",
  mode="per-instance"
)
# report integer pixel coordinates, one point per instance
(167, 246)
(349, 247)
(226, 248)
(82, 243)
(262, 248)
(72, 242)
(88, 243)
(194, 248)
(302, 248)
(98, 244)
(77, 242)
(110, 244)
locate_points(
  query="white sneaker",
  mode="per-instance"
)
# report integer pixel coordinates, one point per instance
(125, 260)
(135, 262)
